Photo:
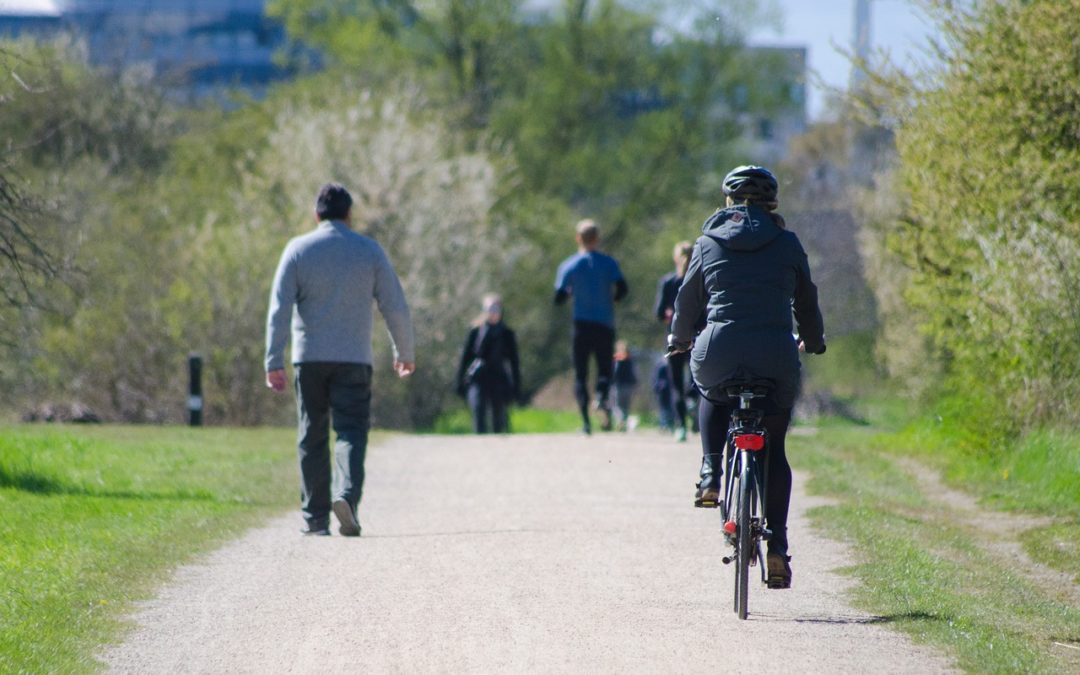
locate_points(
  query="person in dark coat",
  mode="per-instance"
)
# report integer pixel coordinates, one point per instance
(666, 291)
(749, 273)
(489, 375)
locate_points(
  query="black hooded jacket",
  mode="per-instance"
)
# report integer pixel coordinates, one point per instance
(748, 273)
(494, 346)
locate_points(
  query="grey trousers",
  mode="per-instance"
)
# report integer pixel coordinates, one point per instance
(337, 394)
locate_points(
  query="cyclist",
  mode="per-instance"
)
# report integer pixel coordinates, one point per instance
(748, 272)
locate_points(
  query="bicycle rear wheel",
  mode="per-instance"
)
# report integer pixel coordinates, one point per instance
(744, 543)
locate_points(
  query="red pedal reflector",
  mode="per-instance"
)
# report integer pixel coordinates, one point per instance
(749, 442)
(729, 527)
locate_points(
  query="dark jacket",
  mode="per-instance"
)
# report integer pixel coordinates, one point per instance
(748, 273)
(623, 373)
(666, 290)
(499, 372)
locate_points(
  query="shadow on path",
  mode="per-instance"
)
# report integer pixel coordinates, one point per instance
(849, 619)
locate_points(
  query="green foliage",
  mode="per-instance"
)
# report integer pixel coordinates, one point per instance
(990, 227)
(473, 134)
(92, 518)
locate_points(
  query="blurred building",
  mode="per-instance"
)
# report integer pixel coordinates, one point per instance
(193, 47)
(774, 112)
(28, 17)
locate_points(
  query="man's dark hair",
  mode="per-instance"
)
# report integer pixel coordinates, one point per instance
(333, 202)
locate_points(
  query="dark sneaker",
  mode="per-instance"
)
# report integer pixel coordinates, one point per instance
(586, 429)
(315, 531)
(779, 571)
(349, 526)
(606, 423)
(707, 497)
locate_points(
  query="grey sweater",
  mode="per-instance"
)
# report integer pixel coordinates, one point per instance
(330, 276)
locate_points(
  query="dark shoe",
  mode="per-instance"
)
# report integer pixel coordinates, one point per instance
(605, 419)
(349, 526)
(707, 497)
(315, 531)
(779, 571)
(586, 429)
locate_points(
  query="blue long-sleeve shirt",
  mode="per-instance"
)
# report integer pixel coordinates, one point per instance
(325, 285)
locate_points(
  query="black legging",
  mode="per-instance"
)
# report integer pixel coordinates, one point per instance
(592, 339)
(677, 364)
(714, 426)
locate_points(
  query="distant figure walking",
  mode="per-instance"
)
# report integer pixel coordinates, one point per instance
(325, 285)
(625, 380)
(489, 374)
(595, 282)
(661, 386)
(666, 291)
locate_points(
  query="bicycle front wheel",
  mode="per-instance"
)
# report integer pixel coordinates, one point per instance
(744, 543)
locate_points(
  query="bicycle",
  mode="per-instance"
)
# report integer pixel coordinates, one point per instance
(745, 482)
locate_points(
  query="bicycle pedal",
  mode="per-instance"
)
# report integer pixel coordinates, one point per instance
(727, 560)
(702, 504)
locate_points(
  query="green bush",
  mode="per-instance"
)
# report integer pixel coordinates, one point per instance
(989, 151)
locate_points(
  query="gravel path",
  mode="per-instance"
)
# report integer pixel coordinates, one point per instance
(552, 553)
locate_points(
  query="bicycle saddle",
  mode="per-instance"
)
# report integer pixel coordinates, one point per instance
(758, 387)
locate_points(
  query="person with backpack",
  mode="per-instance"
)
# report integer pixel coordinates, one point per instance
(489, 374)
(750, 274)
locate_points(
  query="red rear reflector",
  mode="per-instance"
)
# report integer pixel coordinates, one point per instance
(749, 442)
(729, 527)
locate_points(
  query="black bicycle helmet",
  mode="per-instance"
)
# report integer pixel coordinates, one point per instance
(752, 184)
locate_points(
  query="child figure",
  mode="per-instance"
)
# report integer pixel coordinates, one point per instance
(661, 386)
(625, 380)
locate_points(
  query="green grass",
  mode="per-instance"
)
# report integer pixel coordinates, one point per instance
(93, 517)
(522, 421)
(1038, 473)
(924, 573)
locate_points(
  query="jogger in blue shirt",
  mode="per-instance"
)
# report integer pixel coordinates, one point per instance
(595, 283)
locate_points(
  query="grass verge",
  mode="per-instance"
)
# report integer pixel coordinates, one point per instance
(522, 421)
(94, 517)
(1038, 473)
(924, 573)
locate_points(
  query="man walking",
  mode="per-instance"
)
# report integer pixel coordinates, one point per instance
(325, 284)
(596, 283)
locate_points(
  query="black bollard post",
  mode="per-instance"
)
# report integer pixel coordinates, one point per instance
(195, 400)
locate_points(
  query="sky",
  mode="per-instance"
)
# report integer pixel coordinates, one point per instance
(32, 7)
(896, 26)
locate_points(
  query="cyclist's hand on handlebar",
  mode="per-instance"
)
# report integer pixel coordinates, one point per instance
(802, 348)
(676, 347)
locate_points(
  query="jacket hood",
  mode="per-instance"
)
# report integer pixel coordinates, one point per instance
(742, 228)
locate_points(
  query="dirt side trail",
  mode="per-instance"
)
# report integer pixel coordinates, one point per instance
(553, 553)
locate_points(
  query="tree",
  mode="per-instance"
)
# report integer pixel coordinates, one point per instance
(26, 259)
(988, 153)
